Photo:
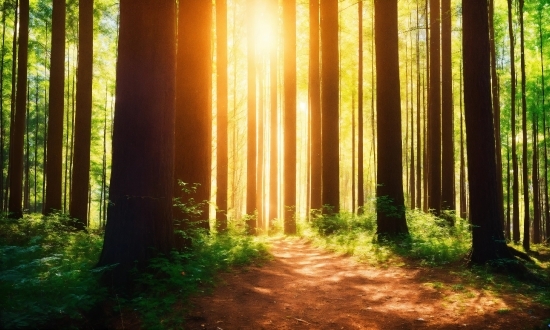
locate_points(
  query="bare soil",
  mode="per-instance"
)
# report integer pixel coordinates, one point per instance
(305, 287)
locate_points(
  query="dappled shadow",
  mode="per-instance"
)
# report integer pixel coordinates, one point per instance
(307, 288)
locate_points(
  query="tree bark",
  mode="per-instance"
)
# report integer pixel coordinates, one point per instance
(525, 156)
(487, 235)
(360, 120)
(193, 110)
(289, 115)
(15, 207)
(54, 165)
(389, 193)
(222, 105)
(330, 106)
(83, 117)
(515, 167)
(315, 107)
(139, 224)
(447, 131)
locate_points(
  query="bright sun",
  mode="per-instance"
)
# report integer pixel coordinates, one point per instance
(264, 29)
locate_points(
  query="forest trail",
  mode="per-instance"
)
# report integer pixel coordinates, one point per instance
(305, 287)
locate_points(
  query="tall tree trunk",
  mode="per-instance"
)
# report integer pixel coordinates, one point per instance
(222, 105)
(139, 224)
(54, 165)
(315, 107)
(418, 116)
(536, 196)
(289, 115)
(83, 117)
(487, 235)
(360, 120)
(525, 172)
(251, 121)
(463, 199)
(330, 105)
(26, 187)
(13, 90)
(389, 192)
(192, 163)
(546, 199)
(507, 227)
(19, 119)
(274, 124)
(495, 91)
(2, 130)
(434, 112)
(515, 167)
(447, 131)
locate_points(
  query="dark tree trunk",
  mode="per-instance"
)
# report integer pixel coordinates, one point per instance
(251, 122)
(360, 129)
(2, 130)
(447, 131)
(222, 103)
(315, 107)
(463, 199)
(525, 156)
(434, 112)
(139, 224)
(515, 167)
(83, 122)
(15, 207)
(289, 115)
(389, 192)
(13, 90)
(330, 105)
(487, 235)
(54, 165)
(193, 129)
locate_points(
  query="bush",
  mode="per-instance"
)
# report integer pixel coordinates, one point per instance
(46, 271)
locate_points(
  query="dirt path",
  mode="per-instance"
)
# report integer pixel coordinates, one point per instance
(307, 288)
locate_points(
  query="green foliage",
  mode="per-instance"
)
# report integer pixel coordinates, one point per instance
(431, 240)
(46, 271)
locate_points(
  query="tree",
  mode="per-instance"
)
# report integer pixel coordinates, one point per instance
(289, 115)
(274, 123)
(447, 130)
(360, 166)
(17, 137)
(222, 102)
(389, 192)
(192, 163)
(488, 242)
(525, 157)
(515, 169)
(434, 112)
(83, 117)
(314, 86)
(139, 221)
(54, 163)
(251, 121)
(330, 105)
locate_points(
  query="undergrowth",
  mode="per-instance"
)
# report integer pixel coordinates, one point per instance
(165, 288)
(46, 271)
(431, 241)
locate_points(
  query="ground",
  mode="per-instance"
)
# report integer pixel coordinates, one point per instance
(305, 287)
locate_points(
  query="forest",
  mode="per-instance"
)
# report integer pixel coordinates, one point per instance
(149, 146)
